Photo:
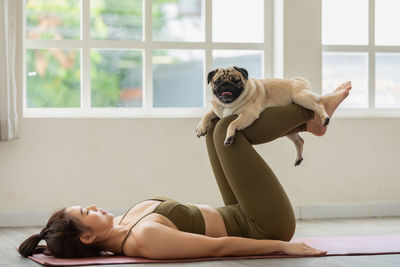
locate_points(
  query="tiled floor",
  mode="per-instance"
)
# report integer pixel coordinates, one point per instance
(11, 237)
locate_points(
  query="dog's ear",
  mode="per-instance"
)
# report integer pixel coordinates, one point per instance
(242, 71)
(211, 74)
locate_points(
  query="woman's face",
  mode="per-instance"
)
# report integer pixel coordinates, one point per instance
(98, 220)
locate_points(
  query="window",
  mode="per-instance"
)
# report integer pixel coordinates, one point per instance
(361, 43)
(137, 58)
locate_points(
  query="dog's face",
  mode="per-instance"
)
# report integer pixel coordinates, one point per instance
(227, 84)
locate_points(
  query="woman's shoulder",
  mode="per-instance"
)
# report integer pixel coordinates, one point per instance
(133, 243)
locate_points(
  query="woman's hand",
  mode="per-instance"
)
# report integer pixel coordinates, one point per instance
(301, 249)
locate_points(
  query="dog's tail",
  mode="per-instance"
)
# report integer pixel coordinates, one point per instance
(302, 80)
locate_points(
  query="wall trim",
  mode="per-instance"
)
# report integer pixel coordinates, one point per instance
(349, 210)
(322, 211)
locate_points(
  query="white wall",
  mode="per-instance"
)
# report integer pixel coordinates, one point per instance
(351, 171)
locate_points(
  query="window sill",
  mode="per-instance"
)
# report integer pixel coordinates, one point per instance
(113, 113)
(177, 113)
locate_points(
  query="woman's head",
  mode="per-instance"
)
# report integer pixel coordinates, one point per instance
(70, 233)
(97, 220)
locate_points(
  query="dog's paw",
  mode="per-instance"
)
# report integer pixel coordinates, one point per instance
(228, 141)
(298, 161)
(201, 131)
(326, 121)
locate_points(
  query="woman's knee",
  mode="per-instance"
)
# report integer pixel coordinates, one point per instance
(221, 128)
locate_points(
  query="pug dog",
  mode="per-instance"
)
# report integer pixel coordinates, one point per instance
(234, 93)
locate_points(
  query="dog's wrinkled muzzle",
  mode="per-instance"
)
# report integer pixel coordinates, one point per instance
(227, 92)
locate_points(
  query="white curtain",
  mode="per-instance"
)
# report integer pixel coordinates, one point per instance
(8, 88)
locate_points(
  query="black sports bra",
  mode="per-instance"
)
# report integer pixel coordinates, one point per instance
(187, 218)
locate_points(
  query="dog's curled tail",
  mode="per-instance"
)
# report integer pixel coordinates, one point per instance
(301, 79)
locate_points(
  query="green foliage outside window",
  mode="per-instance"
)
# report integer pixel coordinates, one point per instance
(53, 75)
(53, 78)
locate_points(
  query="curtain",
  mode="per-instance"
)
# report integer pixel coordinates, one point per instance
(8, 88)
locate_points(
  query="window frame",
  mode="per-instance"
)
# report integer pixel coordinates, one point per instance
(371, 49)
(147, 45)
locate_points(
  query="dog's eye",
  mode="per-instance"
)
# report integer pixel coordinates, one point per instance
(234, 79)
(217, 81)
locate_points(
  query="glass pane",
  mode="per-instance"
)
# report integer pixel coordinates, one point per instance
(116, 20)
(341, 67)
(345, 22)
(53, 78)
(178, 78)
(252, 61)
(116, 78)
(53, 19)
(178, 20)
(387, 80)
(238, 21)
(387, 22)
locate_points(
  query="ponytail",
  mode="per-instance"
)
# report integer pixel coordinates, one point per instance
(30, 246)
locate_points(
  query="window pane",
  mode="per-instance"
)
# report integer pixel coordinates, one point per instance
(341, 67)
(116, 78)
(116, 20)
(252, 61)
(53, 78)
(53, 19)
(178, 78)
(238, 21)
(345, 22)
(387, 80)
(178, 20)
(387, 22)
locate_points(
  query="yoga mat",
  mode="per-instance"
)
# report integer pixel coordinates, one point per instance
(353, 245)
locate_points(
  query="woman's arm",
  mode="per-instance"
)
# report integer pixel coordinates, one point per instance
(158, 241)
(239, 246)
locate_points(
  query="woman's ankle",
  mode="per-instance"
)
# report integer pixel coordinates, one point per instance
(316, 128)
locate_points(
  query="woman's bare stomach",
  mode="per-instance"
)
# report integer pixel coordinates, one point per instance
(215, 226)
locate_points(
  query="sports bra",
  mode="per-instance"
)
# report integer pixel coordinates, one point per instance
(187, 218)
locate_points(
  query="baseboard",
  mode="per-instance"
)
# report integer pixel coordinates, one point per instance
(349, 210)
(322, 211)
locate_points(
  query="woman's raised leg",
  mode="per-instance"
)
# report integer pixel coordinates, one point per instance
(226, 191)
(250, 179)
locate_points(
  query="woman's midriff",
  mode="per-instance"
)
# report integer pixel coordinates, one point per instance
(215, 226)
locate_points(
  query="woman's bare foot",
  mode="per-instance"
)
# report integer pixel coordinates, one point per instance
(331, 102)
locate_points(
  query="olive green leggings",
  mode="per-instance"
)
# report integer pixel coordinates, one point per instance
(256, 205)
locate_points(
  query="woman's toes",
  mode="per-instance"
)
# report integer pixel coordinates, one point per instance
(340, 87)
(348, 85)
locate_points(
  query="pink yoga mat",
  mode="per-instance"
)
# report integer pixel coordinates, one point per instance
(354, 245)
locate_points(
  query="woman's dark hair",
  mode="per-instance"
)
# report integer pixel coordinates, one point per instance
(62, 236)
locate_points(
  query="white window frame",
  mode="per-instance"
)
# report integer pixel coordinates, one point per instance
(371, 49)
(147, 46)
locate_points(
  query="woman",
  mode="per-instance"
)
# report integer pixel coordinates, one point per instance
(257, 217)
